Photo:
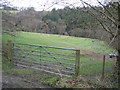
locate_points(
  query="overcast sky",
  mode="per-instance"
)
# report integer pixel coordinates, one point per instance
(50, 4)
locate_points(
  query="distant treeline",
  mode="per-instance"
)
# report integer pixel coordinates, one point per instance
(79, 22)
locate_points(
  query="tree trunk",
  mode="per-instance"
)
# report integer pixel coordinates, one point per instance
(118, 58)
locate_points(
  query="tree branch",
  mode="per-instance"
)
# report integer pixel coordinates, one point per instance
(101, 23)
(106, 9)
(100, 12)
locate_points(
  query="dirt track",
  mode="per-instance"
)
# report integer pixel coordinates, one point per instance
(11, 81)
(95, 55)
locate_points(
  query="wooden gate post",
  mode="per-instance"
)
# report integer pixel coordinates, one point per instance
(103, 67)
(10, 45)
(77, 63)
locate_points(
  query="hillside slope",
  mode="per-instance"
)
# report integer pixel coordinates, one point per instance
(88, 44)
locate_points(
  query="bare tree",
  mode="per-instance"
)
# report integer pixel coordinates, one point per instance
(118, 58)
(116, 21)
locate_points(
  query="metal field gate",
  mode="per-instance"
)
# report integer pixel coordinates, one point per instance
(60, 61)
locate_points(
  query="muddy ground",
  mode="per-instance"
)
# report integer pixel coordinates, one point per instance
(11, 81)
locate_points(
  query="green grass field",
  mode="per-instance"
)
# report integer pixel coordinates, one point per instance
(88, 65)
(60, 41)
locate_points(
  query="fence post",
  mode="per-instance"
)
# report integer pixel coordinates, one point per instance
(103, 67)
(40, 55)
(10, 45)
(77, 63)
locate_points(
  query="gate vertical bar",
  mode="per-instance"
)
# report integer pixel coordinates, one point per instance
(10, 50)
(77, 63)
(13, 52)
(40, 55)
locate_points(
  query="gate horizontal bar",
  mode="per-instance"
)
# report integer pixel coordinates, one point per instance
(46, 46)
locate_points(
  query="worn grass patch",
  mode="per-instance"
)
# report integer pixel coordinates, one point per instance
(22, 71)
(29, 74)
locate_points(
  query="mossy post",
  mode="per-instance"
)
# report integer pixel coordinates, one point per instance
(10, 45)
(77, 63)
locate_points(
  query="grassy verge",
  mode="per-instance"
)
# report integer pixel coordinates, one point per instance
(86, 82)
